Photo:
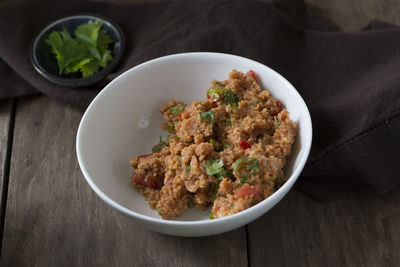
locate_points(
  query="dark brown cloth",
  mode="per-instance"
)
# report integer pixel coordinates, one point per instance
(350, 81)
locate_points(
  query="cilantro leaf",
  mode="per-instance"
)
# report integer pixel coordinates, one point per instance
(209, 116)
(105, 58)
(216, 146)
(171, 128)
(215, 168)
(89, 68)
(244, 181)
(257, 101)
(104, 39)
(66, 49)
(244, 166)
(188, 168)
(278, 182)
(86, 52)
(214, 196)
(176, 109)
(158, 147)
(89, 32)
(229, 173)
(229, 121)
(234, 106)
(253, 164)
(277, 122)
(77, 66)
(56, 43)
(231, 98)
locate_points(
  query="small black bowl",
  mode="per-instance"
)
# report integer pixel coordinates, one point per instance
(45, 63)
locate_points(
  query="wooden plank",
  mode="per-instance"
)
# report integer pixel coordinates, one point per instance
(54, 219)
(5, 119)
(354, 15)
(6, 124)
(357, 231)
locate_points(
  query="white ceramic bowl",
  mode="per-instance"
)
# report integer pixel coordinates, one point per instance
(113, 130)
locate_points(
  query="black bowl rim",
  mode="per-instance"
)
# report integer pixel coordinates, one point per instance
(77, 82)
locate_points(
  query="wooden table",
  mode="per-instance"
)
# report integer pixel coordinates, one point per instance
(50, 216)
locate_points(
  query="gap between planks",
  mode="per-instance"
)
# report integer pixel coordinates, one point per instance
(7, 119)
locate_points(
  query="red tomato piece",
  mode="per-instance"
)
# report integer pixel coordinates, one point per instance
(144, 180)
(180, 117)
(138, 178)
(215, 102)
(251, 74)
(243, 144)
(279, 109)
(152, 182)
(246, 190)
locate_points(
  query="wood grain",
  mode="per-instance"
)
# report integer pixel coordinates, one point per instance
(357, 231)
(6, 117)
(54, 219)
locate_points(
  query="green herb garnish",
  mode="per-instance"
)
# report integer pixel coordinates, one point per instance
(244, 181)
(277, 122)
(214, 196)
(215, 167)
(177, 109)
(216, 147)
(228, 121)
(216, 92)
(212, 141)
(159, 146)
(229, 173)
(171, 128)
(252, 165)
(87, 52)
(211, 216)
(188, 168)
(208, 116)
(278, 182)
(245, 164)
(257, 101)
(234, 106)
(230, 98)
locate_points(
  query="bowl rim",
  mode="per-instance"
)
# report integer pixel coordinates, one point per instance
(274, 198)
(77, 82)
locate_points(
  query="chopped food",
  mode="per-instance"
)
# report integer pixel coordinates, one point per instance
(226, 152)
(86, 52)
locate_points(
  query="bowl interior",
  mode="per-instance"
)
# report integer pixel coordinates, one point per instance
(124, 120)
(45, 61)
